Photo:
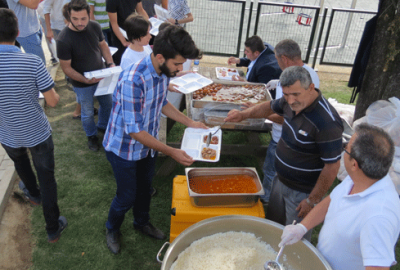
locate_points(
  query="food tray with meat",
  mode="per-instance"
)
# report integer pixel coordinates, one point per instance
(231, 92)
(194, 143)
(224, 73)
(190, 82)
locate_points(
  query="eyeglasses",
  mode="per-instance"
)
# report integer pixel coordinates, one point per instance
(351, 155)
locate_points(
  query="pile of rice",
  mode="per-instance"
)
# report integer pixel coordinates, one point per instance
(225, 251)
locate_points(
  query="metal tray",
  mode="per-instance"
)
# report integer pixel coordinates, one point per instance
(201, 103)
(224, 199)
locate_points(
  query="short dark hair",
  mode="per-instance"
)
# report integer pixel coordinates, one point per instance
(65, 12)
(293, 74)
(136, 26)
(9, 25)
(173, 41)
(163, 26)
(255, 43)
(77, 5)
(373, 149)
(288, 48)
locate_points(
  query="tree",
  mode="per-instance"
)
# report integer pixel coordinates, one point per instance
(382, 74)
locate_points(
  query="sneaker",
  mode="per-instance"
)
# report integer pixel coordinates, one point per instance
(93, 143)
(153, 191)
(113, 242)
(33, 200)
(150, 230)
(63, 223)
(54, 61)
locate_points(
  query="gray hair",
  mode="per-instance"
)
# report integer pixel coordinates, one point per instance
(373, 149)
(293, 74)
(288, 48)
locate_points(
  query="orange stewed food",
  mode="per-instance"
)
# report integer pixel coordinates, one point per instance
(223, 184)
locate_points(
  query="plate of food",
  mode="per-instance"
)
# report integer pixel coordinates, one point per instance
(224, 73)
(194, 143)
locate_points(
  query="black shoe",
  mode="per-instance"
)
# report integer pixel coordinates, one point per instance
(95, 111)
(33, 200)
(54, 61)
(153, 191)
(113, 241)
(93, 143)
(101, 130)
(150, 230)
(63, 223)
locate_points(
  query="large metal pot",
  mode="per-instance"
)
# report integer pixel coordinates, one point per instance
(301, 255)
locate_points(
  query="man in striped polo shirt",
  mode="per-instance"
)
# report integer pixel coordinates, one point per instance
(24, 125)
(99, 14)
(308, 154)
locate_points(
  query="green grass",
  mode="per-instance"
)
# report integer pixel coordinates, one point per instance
(86, 187)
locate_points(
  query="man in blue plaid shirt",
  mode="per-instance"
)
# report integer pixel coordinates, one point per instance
(131, 139)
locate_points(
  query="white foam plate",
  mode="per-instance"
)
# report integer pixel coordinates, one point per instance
(103, 73)
(224, 73)
(191, 82)
(193, 143)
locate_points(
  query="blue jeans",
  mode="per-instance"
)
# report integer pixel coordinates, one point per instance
(43, 161)
(85, 97)
(133, 179)
(107, 35)
(283, 203)
(33, 44)
(269, 169)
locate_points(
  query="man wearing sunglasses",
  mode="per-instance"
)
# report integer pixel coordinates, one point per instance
(362, 215)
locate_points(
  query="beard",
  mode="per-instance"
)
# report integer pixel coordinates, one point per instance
(77, 29)
(165, 70)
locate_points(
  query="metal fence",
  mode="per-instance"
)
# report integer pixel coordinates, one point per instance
(277, 21)
(220, 27)
(343, 36)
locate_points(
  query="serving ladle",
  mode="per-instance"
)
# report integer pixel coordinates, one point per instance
(275, 265)
(212, 134)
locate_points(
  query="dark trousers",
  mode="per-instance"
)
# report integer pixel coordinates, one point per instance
(43, 160)
(133, 189)
(121, 49)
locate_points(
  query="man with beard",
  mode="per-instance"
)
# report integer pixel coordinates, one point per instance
(80, 48)
(131, 139)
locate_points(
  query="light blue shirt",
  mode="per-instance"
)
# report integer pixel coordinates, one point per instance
(28, 21)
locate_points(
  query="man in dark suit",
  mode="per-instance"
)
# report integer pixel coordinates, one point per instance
(260, 60)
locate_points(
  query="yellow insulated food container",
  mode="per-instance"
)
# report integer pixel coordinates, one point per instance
(184, 214)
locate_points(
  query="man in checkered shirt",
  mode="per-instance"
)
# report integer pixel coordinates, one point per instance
(180, 12)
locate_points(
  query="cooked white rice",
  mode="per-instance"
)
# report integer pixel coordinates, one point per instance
(225, 251)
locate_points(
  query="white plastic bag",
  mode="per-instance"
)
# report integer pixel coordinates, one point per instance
(384, 117)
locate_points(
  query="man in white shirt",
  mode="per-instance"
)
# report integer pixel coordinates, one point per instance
(362, 214)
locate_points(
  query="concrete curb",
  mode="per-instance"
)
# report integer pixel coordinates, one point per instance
(7, 179)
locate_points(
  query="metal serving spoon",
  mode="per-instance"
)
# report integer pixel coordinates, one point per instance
(212, 134)
(275, 265)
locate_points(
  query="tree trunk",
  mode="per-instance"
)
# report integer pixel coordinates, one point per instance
(382, 75)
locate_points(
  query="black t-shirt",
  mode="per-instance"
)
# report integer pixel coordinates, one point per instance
(123, 8)
(82, 48)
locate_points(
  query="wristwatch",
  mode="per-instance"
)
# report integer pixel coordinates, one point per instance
(310, 203)
(109, 64)
(176, 22)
